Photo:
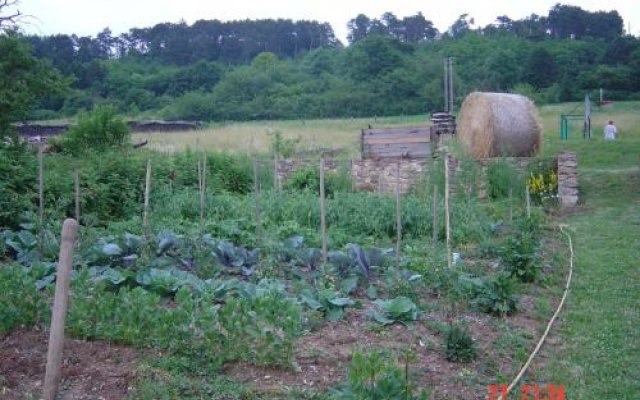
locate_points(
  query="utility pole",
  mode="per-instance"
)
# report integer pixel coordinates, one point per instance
(448, 85)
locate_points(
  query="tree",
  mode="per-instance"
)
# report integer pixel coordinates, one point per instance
(8, 17)
(23, 81)
(461, 26)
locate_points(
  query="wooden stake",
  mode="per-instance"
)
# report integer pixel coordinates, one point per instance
(59, 313)
(147, 188)
(256, 191)
(435, 214)
(323, 222)
(40, 202)
(76, 184)
(528, 202)
(276, 180)
(202, 184)
(510, 205)
(398, 216)
(446, 207)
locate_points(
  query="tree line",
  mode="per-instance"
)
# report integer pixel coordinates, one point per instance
(271, 69)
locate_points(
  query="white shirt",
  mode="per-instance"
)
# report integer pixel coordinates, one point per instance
(610, 132)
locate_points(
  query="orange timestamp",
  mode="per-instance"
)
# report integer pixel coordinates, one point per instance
(528, 392)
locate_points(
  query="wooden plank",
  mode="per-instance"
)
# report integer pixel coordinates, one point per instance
(399, 133)
(373, 131)
(398, 140)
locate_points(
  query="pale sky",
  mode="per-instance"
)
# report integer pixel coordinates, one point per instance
(88, 17)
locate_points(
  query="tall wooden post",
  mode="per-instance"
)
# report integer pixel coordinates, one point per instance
(323, 220)
(59, 313)
(203, 190)
(40, 202)
(435, 214)
(147, 189)
(276, 179)
(76, 185)
(446, 207)
(256, 191)
(398, 216)
(528, 194)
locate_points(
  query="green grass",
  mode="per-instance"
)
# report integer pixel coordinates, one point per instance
(597, 348)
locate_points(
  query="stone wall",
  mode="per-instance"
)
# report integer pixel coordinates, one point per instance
(567, 179)
(382, 174)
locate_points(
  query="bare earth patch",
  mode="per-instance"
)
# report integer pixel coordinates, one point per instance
(91, 370)
(323, 355)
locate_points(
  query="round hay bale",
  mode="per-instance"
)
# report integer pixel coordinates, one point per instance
(499, 124)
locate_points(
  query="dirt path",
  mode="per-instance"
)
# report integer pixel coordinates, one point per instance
(91, 370)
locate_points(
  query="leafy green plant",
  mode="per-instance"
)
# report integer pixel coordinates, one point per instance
(520, 256)
(400, 309)
(502, 178)
(21, 304)
(459, 345)
(236, 257)
(498, 295)
(99, 130)
(376, 375)
(326, 301)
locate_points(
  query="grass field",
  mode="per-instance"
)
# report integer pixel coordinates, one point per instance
(596, 350)
(345, 134)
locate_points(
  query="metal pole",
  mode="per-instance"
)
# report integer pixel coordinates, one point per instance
(446, 86)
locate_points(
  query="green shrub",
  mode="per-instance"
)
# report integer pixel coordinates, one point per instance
(97, 131)
(503, 178)
(520, 255)
(498, 295)
(18, 183)
(376, 375)
(20, 302)
(459, 345)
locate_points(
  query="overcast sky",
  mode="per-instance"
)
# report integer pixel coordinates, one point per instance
(88, 17)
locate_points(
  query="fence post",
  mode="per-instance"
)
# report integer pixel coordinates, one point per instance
(398, 216)
(528, 193)
(435, 214)
(323, 221)
(256, 191)
(447, 221)
(203, 190)
(276, 179)
(76, 184)
(147, 188)
(59, 313)
(40, 202)
(510, 205)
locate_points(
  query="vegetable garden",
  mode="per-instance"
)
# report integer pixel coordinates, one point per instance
(223, 281)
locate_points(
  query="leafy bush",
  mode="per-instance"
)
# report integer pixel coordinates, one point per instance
(543, 186)
(326, 301)
(498, 295)
(400, 309)
(17, 186)
(20, 302)
(520, 255)
(97, 131)
(375, 375)
(502, 178)
(459, 345)
(261, 330)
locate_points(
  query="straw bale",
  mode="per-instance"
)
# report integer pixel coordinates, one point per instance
(499, 124)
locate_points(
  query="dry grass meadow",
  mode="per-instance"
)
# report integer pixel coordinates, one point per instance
(244, 137)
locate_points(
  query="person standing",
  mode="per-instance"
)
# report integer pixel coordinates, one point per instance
(610, 131)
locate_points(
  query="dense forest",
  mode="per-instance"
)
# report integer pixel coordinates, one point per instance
(274, 69)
